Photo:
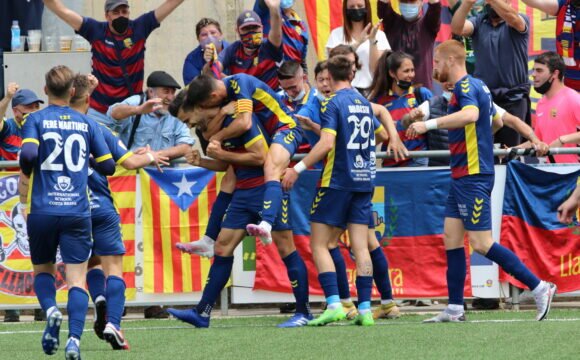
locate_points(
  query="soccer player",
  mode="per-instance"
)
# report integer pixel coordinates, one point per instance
(253, 96)
(107, 289)
(347, 143)
(247, 154)
(56, 145)
(469, 202)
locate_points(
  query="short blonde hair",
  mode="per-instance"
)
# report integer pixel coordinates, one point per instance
(452, 48)
(59, 81)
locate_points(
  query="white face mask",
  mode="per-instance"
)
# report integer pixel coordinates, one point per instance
(447, 95)
(298, 97)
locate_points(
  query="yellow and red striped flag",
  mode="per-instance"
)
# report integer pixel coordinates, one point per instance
(176, 207)
(123, 187)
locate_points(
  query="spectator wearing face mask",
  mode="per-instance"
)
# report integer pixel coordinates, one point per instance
(118, 47)
(413, 32)
(210, 37)
(367, 40)
(145, 120)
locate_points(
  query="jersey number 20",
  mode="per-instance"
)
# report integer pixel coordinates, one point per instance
(50, 165)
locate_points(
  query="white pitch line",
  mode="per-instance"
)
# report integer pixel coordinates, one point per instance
(389, 323)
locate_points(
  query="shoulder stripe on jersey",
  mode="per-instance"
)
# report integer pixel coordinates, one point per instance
(124, 157)
(472, 150)
(274, 106)
(330, 131)
(103, 158)
(30, 140)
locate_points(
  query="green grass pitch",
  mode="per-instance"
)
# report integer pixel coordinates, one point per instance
(486, 335)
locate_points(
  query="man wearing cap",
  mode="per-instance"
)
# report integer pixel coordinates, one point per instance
(24, 101)
(118, 47)
(147, 117)
(252, 54)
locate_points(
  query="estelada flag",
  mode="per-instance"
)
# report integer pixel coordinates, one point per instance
(531, 229)
(408, 209)
(123, 186)
(176, 206)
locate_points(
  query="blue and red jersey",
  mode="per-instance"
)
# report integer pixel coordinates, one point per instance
(101, 200)
(350, 165)
(247, 177)
(472, 146)
(568, 41)
(262, 64)
(398, 106)
(10, 140)
(65, 139)
(254, 96)
(113, 52)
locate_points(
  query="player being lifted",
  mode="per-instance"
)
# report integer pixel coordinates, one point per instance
(107, 288)
(57, 142)
(468, 208)
(247, 154)
(347, 146)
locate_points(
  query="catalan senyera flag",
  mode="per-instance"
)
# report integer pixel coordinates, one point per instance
(123, 186)
(176, 207)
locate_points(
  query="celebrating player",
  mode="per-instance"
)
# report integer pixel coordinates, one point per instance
(54, 161)
(472, 172)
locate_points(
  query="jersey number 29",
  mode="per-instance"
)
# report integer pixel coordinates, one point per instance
(361, 134)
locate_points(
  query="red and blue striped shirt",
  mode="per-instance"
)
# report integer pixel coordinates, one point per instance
(108, 65)
(10, 140)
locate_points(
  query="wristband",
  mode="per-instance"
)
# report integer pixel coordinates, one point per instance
(150, 156)
(431, 124)
(300, 167)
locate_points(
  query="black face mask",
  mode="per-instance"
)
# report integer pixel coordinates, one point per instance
(405, 85)
(120, 24)
(545, 87)
(490, 12)
(356, 15)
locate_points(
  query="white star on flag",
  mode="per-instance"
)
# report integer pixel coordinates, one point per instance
(184, 186)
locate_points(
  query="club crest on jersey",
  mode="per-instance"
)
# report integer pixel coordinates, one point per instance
(359, 162)
(63, 184)
(128, 43)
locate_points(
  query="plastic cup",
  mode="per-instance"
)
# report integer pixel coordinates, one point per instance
(66, 43)
(51, 43)
(80, 44)
(33, 43)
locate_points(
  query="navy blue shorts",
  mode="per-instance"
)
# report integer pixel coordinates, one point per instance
(71, 233)
(107, 238)
(470, 200)
(339, 208)
(246, 208)
(290, 139)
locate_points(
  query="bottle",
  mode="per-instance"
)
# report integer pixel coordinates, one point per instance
(15, 41)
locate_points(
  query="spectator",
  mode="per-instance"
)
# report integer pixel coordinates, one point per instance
(413, 32)
(294, 31)
(393, 87)
(145, 120)
(567, 34)
(368, 41)
(208, 31)
(500, 45)
(24, 101)
(118, 47)
(252, 54)
(477, 8)
(558, 111)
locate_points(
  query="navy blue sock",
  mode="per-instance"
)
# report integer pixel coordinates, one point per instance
(96, 283)
(45, 289)
(218, 210)
(328, 284)
(219, 273)
(272, 200)
(364, 288)
(509, 261)
(115, 300)
(381, 273)
(77, 306)
(341, 275)
(456, 273)
(298, 276)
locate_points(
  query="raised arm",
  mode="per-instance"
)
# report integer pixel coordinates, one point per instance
(4, 103)
(550, 7)
(459, 24)
(275, 35)
(509, 14)
(70, 17)
(166, 8)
